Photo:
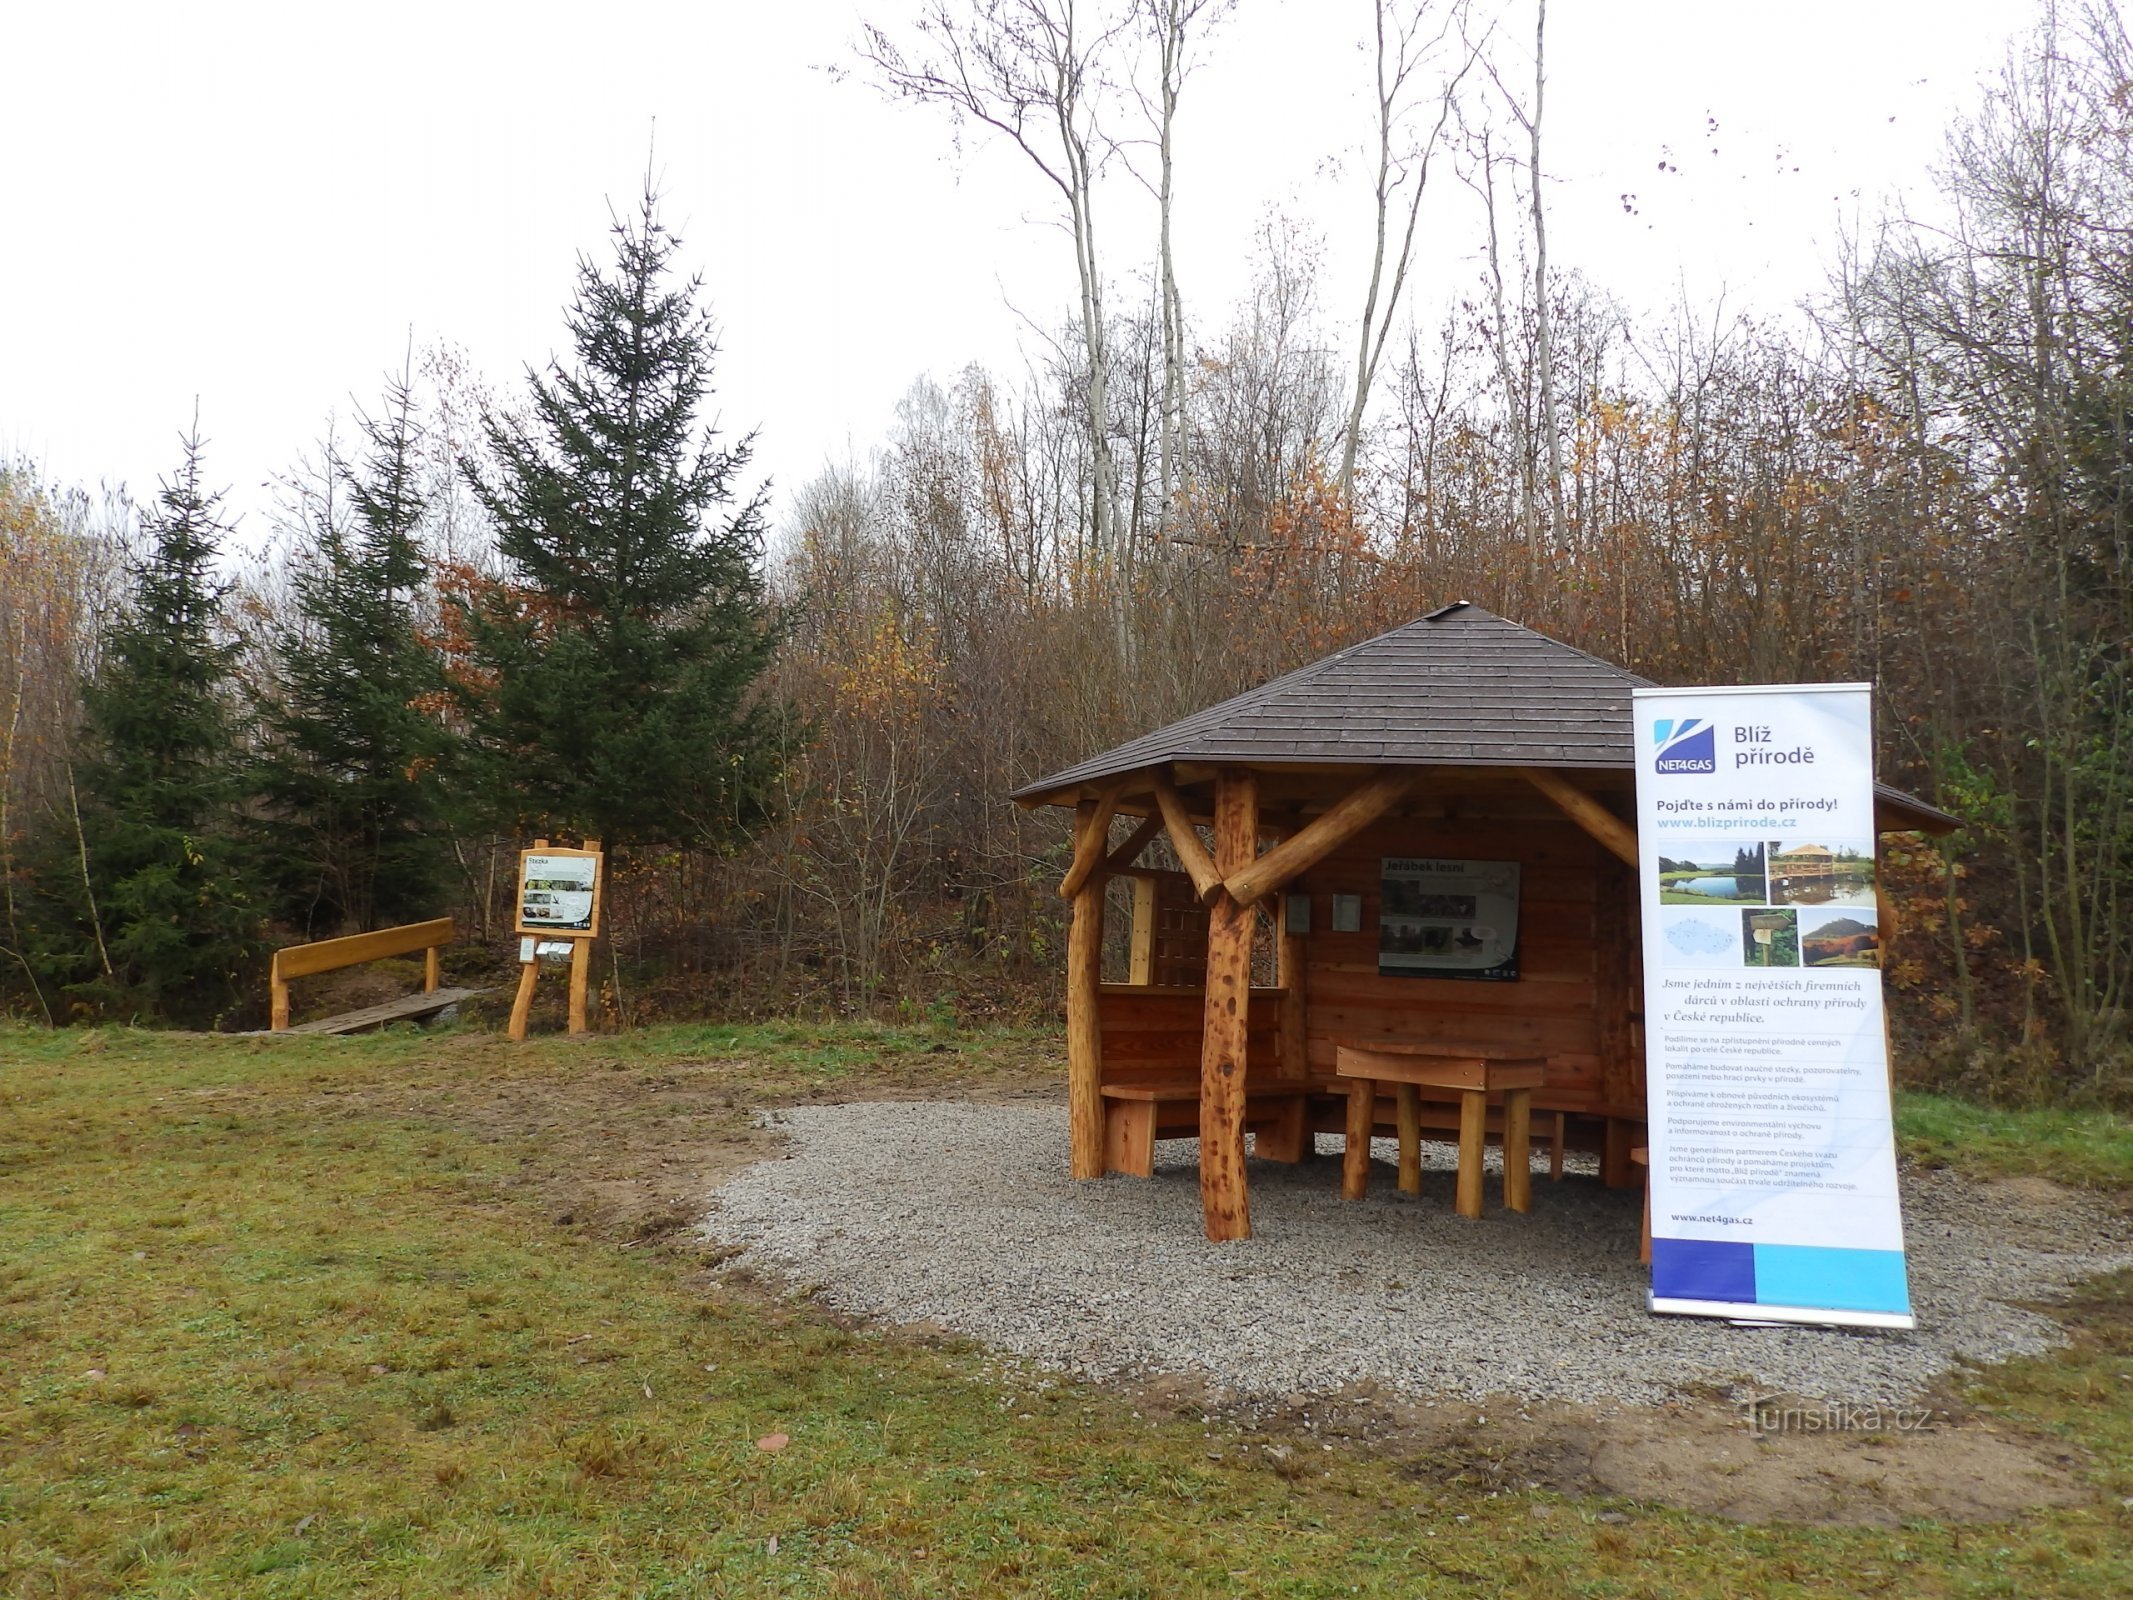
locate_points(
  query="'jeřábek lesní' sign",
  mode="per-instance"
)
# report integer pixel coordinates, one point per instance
(1773, 1158)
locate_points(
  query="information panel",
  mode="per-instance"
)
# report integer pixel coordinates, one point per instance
(1773, 1156)
(559, 893)
(1447, 919)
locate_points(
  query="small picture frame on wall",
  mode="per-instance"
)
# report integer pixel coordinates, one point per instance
(1347, 913)
(1296, 915)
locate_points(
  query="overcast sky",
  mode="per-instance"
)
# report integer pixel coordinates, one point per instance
(258, 205)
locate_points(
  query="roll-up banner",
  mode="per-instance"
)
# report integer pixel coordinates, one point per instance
(1773, 1155)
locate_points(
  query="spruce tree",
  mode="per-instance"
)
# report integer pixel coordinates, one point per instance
(167, 921)
(609, 687)
(350, 774)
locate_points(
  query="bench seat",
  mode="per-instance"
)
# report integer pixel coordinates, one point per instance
(1276, 1114)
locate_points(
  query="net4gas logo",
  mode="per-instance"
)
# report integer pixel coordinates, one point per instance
(1689, 745)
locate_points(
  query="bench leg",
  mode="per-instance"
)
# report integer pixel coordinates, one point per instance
(1355, 1161)
(1410, 1113)
(1129, 1137)
(1555, 1147)
(1615, 1169)
(1473, 1139)
(1287, 1137)
(1517, 1150)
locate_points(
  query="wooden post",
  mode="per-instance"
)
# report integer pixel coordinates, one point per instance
(1225, 1204)
(1616, 1143)
(1085, 951)
(528, 974)
(1885, 936)
(522, 1004)
(581, 953)
(1141, 970)
(1290, 956)
(1473, 1141)
(1518, 1150)
(278, 997)
(429, 970)
(1408, 1098)
(580, 970)
(1617, 961)
(1362, 1118)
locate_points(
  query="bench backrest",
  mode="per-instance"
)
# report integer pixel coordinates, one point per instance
(330, 955)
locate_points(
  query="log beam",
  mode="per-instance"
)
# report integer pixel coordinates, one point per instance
(1192, 855)
(1085, 949)
(1225, 1205)
(1303, 850)
(1092, 840)
(1614, 834)
(1136, 841)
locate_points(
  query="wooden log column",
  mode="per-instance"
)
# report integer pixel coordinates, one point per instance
(1224, 1202)
(1289, 973)
(1619, 983)
(1085, 950)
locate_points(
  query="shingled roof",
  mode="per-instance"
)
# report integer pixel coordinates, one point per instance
(1458, 687)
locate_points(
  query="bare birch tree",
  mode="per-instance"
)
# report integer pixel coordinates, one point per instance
(1529, 120)
(1032, 71)
(1172, 24)
(1410, 35)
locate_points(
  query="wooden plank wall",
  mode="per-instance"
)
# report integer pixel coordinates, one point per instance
(1153, 1035)
(1552, 1009)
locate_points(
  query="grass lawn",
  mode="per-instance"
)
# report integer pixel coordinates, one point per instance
(415, 1315)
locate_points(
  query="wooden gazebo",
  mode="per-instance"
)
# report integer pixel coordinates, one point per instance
(1460, 738)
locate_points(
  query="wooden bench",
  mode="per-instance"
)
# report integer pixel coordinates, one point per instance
(1138, 1114)
(330, 955)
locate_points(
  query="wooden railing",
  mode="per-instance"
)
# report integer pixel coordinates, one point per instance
(330, 955)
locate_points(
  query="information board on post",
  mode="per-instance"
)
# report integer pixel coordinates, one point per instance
(559, 893)
(1772, 1149)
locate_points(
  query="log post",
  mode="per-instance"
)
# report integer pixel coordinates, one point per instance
(528, 975)
(1616, 933)
(1885, 937)
(1289, 972)
(1085, 949)
(1141, 948)
(580, 974)
(1225, 1204)
(581, 953)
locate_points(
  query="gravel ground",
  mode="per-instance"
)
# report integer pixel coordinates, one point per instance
(962, 1216)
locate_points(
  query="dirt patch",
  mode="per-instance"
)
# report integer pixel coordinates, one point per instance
(1697, 1456)
(1941, 1458)
(631, 1151)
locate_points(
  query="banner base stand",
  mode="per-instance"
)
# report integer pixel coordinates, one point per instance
(1779, 1316)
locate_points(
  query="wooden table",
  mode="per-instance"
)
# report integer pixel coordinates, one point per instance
(1474, 1072)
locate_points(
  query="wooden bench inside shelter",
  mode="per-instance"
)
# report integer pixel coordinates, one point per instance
(331, 955)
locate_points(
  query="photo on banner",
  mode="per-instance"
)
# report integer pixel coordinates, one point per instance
(1772, 1145)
